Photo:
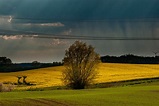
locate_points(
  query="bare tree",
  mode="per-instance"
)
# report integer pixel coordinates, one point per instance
(19, 77)
(80, 63)
(24, 79)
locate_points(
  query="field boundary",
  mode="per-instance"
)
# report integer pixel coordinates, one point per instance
(125, 82)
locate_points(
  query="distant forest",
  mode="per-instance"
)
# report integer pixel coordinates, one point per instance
(6, 64)
(130, 58)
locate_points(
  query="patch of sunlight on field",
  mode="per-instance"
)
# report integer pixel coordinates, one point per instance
(116, 72)
(46, 77)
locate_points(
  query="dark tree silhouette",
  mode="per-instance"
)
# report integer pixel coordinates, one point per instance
(24, 79)
(80, 62)
(5, 60)
(130, 58)
(19, 77)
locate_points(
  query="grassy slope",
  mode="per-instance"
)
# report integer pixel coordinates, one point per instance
(47, 77)
(119, 96)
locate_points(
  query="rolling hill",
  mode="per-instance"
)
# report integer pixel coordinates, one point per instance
(108, 72)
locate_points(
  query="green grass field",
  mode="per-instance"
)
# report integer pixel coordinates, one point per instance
(145, 95)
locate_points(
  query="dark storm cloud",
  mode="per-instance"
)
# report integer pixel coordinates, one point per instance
(80, 9)
(108, 18)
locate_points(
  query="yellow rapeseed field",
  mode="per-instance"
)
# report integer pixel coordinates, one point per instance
(116, 72)
(46, 77)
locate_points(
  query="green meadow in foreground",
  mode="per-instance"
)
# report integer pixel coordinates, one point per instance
(137, 95)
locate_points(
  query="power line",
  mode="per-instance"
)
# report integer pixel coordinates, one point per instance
(88, 38)
(96, 38)
(28, 34)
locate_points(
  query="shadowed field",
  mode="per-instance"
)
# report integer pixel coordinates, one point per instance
(145, 95)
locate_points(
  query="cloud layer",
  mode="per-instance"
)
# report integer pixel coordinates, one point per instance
(57, 24)
(21, 27)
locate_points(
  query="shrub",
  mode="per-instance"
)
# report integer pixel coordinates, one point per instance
(4, 88)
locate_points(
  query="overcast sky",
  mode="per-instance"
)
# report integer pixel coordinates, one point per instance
(92, 18)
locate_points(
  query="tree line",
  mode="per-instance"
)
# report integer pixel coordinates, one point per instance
(6, 65)
(130, 58)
